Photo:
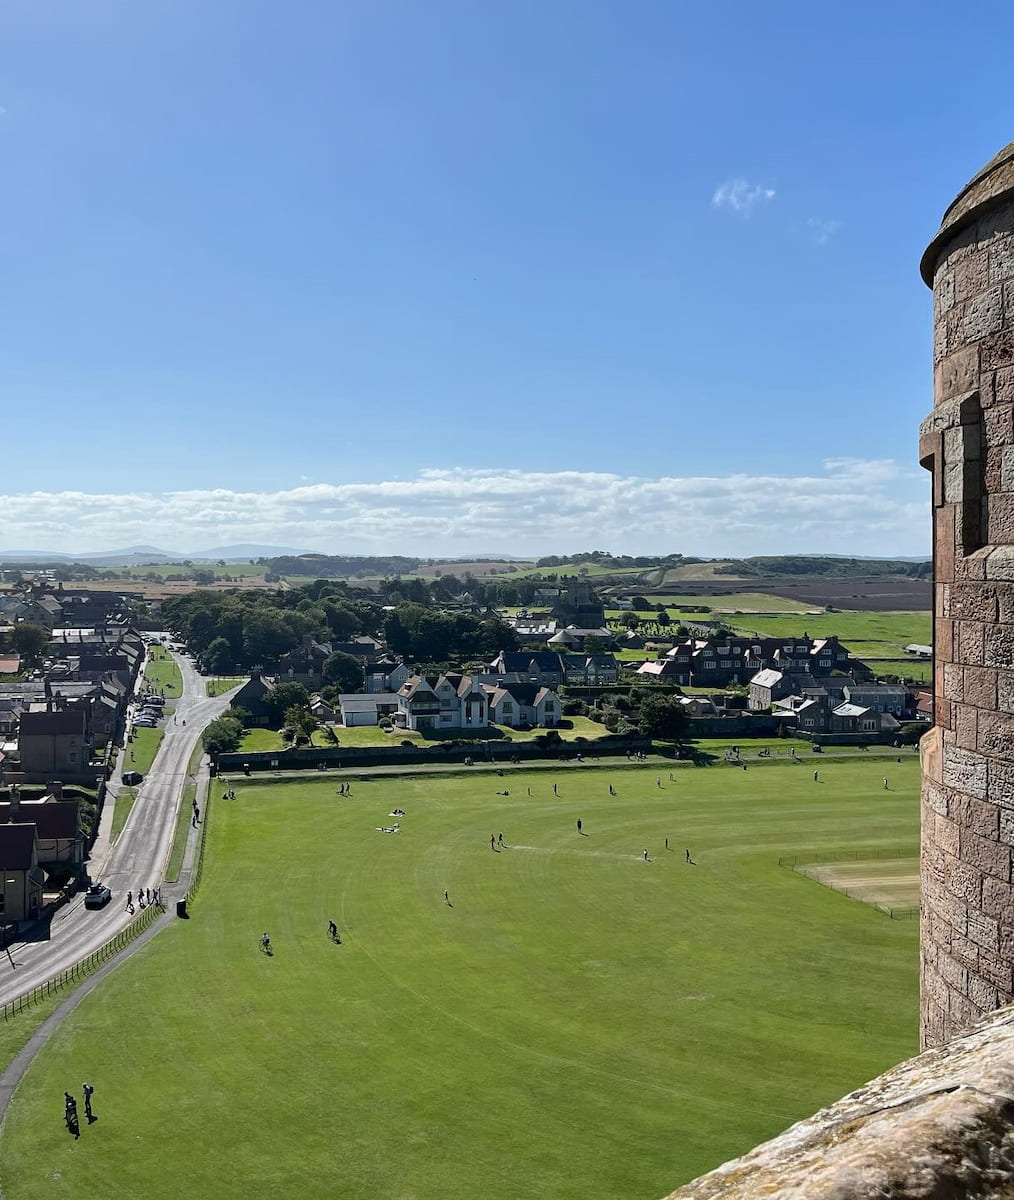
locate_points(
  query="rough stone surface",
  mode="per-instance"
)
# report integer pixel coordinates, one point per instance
(938, 1127)
(968, 760)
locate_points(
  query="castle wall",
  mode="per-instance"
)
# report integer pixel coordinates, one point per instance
(968, 758)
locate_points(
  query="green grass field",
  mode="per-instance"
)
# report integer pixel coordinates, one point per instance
(899, 628)
(162, 672)
(225, 683)
(578, 1022)
(125, 798)
(144, 747)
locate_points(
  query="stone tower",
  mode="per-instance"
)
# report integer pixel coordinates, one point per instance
(968, 759)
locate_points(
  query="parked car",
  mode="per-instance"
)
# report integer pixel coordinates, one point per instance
(141, 723)
(97, 896)
(131, 778)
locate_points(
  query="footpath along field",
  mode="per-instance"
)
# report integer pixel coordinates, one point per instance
(574, 1022)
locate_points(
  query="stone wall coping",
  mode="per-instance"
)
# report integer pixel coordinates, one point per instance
(938, 1125)
(987, 188)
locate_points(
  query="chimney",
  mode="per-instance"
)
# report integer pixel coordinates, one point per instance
(55, 787)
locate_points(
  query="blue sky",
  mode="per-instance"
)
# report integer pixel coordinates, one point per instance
(450, 277)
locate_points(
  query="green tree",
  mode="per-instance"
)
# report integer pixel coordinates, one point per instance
(300, 720)
(30, 641)
(282, 697)
(662, 618)
(222, 736)
(218, 657)
(662, 717)
(343, 671)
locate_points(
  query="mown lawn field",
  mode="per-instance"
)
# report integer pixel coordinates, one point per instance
(161, 671)
(575, 1022)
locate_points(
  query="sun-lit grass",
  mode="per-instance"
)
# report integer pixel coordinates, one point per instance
(161, 671)
(223, 684)
(125, 798)
(543, 1035)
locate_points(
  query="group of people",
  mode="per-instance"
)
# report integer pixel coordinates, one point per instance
(345, 789)
(145, 896)
(70, 1109)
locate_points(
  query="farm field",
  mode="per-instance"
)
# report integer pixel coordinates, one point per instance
(865, 593)
(575, 1022)
(896, 628)
(742, 601)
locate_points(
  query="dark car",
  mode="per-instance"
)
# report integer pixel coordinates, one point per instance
(97, 896)
(132, 777)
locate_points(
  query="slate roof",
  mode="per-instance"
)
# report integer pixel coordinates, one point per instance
(56, 819)
(17, 847)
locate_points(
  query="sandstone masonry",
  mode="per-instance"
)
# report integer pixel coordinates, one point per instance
(968, 759)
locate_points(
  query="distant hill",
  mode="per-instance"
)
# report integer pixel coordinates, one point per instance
(136, 556)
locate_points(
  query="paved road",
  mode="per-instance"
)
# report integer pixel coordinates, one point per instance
(137, 858)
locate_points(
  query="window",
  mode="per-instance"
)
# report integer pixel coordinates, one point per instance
(709, 666)
(825, 662)
(808, 721)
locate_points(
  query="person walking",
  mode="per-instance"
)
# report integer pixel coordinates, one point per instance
(646, 854)
(612, 790)
(130, 902)
(265, 943)
(88, 1091)
(886, 788)
(555, 792)
(447, 899)
(689, 859)
(332, 931)
(816, 777)
(579, 825)
(499, 839)
(667, 843)
(492, 841)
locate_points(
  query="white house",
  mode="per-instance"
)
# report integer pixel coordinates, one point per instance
(517, 704)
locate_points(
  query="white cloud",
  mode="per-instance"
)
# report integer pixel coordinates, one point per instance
(740, 196)
(822, 229)
(851, 506)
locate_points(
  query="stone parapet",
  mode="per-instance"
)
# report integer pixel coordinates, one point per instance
(938, 1126)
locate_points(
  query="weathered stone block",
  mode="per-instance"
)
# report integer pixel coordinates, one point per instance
(965, 771)
(1001, 530)
(1005, 603)
(963, 879)
(998, 902)
(968, 643)
(995, 351)
(952, 973)
(1000, 787)
(993, 469)
(945, 833)
(1003, 386)
(998, 646)
(1006, 947)
(958, 372)
(983, 995)
(982, 855)
(1001, 265)
(944, 634)
(994, 970)
(971, 601)
(1000, 560)
(966, 566)
(996, 733)
(998, 426)
(1006, 826)
(943, 288)
(965, 726)
(983, 930)
(979, 686)
(977, 816)
(954, 681)
(983, 313)
(971, 277)
(964, 952)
